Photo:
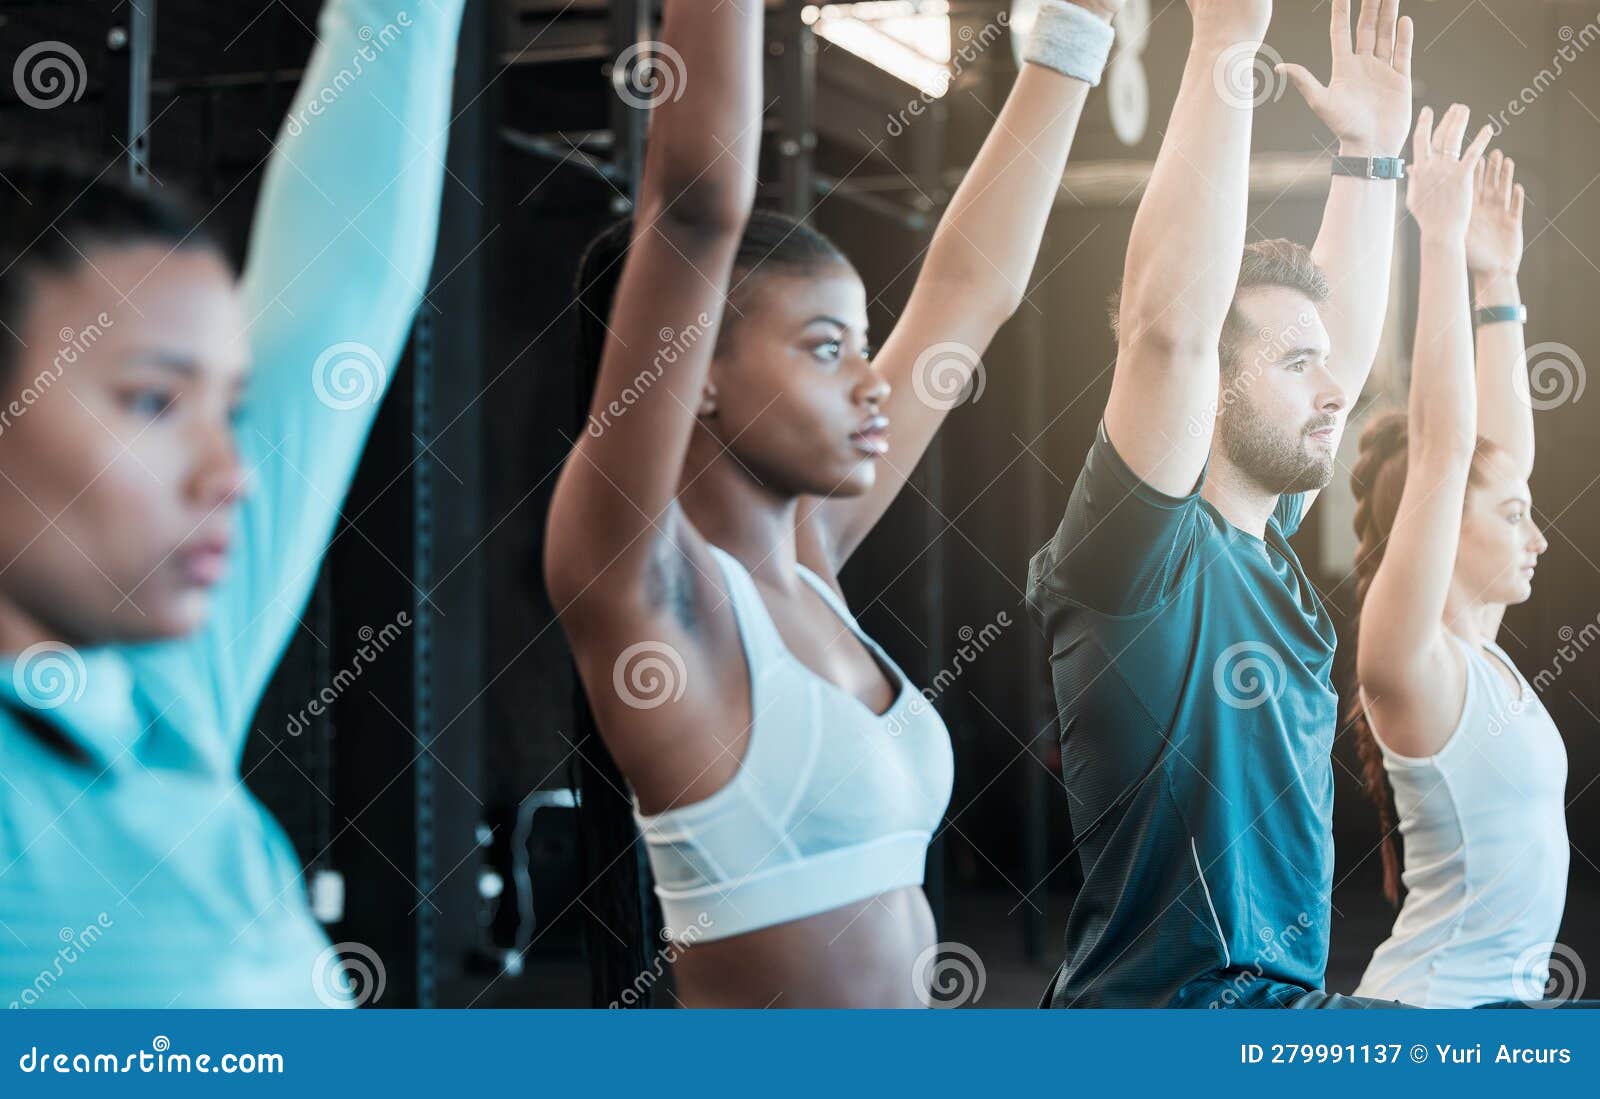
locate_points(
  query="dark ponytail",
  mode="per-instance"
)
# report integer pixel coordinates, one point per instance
(1378, 480)
(622, 928)
(615, 897)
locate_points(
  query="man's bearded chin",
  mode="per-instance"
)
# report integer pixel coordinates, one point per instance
(1280, 460)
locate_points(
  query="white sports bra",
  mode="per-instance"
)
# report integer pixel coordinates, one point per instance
(1485, 828)
(831, 804)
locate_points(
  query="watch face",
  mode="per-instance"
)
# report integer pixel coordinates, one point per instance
(1378, 167)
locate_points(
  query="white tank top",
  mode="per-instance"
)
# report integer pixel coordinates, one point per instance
(831, 804)
(1484, 828)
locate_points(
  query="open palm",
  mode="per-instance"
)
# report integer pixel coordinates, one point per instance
(1441, 188)
(1367, 102)
(1494, 238)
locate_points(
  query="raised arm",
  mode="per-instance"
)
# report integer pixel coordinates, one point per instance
(613, 507)
(1184, 256)
(977, 267)
(1494, 257)
(1367, 105)
(1403, 651)
(340, 251)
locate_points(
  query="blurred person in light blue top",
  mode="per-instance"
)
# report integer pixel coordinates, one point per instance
(174, 449)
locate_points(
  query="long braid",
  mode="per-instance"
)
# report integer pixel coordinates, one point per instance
(1377, 480)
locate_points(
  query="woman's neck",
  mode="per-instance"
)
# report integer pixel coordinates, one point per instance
(742, 517)
(1471, 619)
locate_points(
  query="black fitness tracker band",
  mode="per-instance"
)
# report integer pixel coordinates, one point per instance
(1370, 167)
(1500, 314)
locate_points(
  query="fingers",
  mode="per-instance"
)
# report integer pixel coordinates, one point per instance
(1404, 35)
(1367, 27)
(1452, 131)
(1341, 27)
(1388, 16)
(1491, 191)
(1422, 138)
(1500, 186)
(1474, 153)
(1519, 200)
(1480, 182)
(1310, 88)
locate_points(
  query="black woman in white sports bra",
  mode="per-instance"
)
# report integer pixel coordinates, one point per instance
(742, 442)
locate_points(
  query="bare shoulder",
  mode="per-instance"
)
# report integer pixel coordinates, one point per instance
(1414, 712)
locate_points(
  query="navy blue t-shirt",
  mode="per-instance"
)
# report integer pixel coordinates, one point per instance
(1192, 668)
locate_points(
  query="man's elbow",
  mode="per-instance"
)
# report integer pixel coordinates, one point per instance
(1165, 330)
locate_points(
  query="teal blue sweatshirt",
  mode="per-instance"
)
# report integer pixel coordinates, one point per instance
(144, 874)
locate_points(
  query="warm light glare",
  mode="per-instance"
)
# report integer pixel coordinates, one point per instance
(1024, 13)
(909, 41)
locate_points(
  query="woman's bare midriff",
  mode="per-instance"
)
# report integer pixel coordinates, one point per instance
(861, 955)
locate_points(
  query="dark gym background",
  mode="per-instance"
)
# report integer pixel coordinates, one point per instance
(433, 795)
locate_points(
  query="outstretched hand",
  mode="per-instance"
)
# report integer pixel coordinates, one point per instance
(1367, 102)
(1441, 192)
(1494, 237)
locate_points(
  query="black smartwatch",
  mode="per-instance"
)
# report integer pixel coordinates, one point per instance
(1500, 314)
(1370, 167)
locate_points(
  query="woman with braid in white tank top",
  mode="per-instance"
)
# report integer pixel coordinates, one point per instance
(1448, 541)
(784, 774)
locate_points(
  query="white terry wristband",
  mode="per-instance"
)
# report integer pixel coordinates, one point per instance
(1070, 40)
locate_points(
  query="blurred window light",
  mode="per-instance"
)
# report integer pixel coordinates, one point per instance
(1024, 13)
(904, 38)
